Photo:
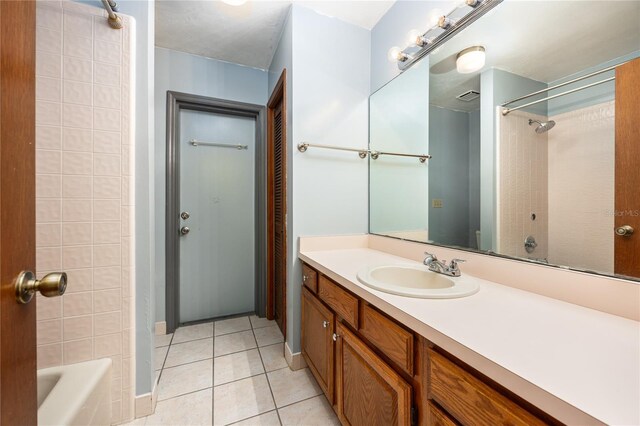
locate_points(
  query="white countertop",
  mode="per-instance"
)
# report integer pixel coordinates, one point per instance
(577, 364)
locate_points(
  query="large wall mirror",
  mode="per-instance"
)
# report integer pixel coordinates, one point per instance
(527, 161)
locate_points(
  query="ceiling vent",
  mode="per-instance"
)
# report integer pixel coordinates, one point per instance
(469, 95)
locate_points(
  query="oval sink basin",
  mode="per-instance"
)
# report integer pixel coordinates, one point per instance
(416, 281)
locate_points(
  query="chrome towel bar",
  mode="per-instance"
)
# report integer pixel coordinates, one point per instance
(362, 153)
(194, 142)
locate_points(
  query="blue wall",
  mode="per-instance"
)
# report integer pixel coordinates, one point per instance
(183, 72)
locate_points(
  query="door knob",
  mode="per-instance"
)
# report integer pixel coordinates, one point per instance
(624, 231)
(51, 285)
(184, 230)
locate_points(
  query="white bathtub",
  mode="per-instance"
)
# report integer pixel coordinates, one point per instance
(77, 394)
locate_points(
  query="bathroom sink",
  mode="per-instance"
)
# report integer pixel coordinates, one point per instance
(416, 281)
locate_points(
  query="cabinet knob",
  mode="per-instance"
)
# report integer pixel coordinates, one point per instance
(325, 324)
(335, 337)
(304, 278)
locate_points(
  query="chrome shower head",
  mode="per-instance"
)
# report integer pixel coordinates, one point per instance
(543, 126)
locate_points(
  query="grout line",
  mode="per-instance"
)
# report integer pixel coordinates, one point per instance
(189, 341)
(232, 332)
(186, 363)
(183, 394)
(267, 377)
(253, 417)
(303, 400)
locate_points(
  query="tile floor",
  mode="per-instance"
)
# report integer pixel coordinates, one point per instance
(233, 372)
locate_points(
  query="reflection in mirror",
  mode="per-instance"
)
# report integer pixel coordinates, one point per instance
(525, 148)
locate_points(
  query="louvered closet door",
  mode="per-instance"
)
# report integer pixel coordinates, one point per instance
(279, 211)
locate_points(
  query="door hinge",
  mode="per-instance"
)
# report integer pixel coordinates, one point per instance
(414, 416)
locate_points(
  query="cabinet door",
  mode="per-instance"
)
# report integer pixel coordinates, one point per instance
(317, 340)
(368, 391)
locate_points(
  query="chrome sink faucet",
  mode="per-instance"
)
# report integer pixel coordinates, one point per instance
(441, 267)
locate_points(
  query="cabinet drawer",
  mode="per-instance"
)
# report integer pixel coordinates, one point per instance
(437, 417)
(471, 401)
(342, 303)
(310, 278)
(390, 338)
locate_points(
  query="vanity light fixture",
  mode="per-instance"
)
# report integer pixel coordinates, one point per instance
(470, 59)
(444, 22)
(234, 2)
(395, 54)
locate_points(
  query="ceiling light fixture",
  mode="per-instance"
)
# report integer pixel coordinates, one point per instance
(470, 59)
(234, 2)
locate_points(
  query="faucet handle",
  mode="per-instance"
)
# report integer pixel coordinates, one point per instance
(454, 263)
(431, 255)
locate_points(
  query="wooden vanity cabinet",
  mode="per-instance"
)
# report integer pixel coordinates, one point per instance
(317, 341)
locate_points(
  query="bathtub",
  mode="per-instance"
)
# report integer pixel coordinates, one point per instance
(76, 394)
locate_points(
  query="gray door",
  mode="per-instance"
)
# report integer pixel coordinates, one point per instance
(217, 189)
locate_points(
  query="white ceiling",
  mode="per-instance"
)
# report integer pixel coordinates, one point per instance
(542, 40)
(247, 34)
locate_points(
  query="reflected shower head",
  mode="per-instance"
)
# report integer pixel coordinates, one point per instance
(543, 126)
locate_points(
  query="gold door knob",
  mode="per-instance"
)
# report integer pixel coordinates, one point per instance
(624, 231)
(51, 285)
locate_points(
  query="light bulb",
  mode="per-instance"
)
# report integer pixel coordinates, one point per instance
(470, 59)
(434, 17)
(396, 54)
(414, 36)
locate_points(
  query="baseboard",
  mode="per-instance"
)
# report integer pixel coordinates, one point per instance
(161, 328)
(295, 360)
(145, 404)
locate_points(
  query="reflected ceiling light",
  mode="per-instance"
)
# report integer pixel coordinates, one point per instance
(416, 38)
(470, 59)
(396, 54)
(234, 2)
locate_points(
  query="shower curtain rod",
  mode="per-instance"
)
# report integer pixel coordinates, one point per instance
(194, 142)
(506, 111)
(564, 84)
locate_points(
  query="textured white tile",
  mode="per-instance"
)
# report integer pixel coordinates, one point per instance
(102, 31)
(78, 351)
(106, 233)
(77, 140)
(242, 399)
(257, 322)
(77, 163)
(48, 211)
(49, 89)
(312, 412)
(292, 386)
(106, 119)
(48, 162)
(78, 116)
(77, 92)
(49, 355)
(79, 280)
(193, 332)
(268, 335)
(49, 331)
(105, 51)
(75, 328)
(103, 346)
(49, 41)
(106, 210)
(106, 165)
(75, 304)
(48, 308)
(76, 46)
(106, 255)
(107, 142)
(273, 356)
(235, 342)
(76, 187)
(76, 257)
(240, 365)
(266, 419)
(76, 210)
(48, 113)
(107, 323)
(48, 235)
(48, 137)
(232, 325)
(107, 300)
(195, 350)
(48, 258)
(106, 96)
(194, 409)
(77, 69)
(48, 65)
(50, 18)
(76, 233)
(106, 74)
(186, 378)
(106, 187)
(108, 277)
(78, 24)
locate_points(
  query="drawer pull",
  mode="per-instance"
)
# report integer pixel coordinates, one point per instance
(335, 337)
(325, 324)
(304, 278)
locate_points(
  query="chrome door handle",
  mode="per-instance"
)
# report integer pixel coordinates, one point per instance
(184, 230)
(624, 231)
(51, 285)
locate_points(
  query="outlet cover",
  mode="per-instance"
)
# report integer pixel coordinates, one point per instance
(436, 203)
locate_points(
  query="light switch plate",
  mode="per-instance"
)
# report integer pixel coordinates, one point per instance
(436, 203)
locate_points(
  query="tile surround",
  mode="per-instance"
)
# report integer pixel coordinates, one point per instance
(82, 136)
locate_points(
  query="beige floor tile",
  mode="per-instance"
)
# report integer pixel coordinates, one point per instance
(273, 356)
(160, 355)
(232, 325)
(235, 342)
(257, 322)
(292, 386)
(193, 332)
(191, 409)
(242, 399)
(185, 378)
(311, 412)
(163, 340)
(137, 422)
(266, 419)
(268, 335)
(239, 365)
(184, 353)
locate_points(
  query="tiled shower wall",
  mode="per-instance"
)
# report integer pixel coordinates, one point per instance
(84, 199)
(522, 185)
(582, 189)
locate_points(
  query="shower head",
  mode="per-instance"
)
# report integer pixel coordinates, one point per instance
(543, 126)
